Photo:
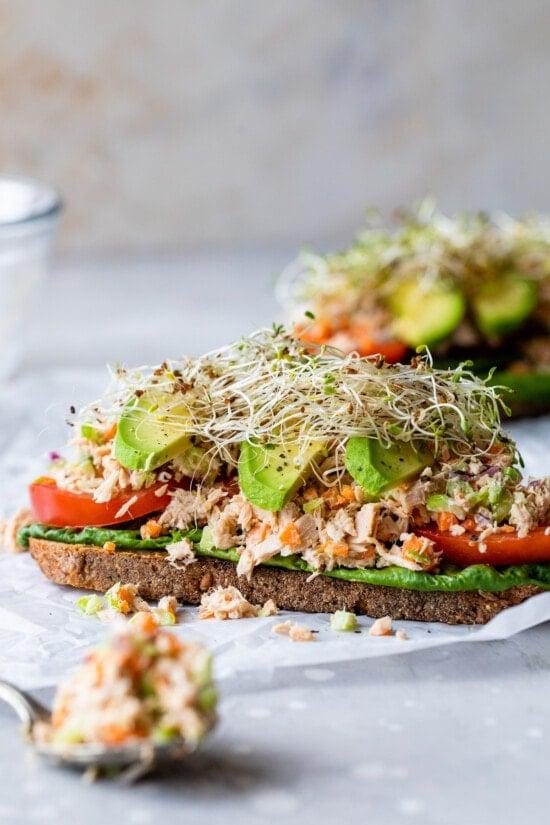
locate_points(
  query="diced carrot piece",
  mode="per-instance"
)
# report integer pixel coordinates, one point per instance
(333, 498)
(145, 622)
(150, 530)
(114, 734)
(470, 525)
(507, 528)
(347, 493)
(290, 535)
(110, 432)
(340, 550)
(413, 543)
(445, 521)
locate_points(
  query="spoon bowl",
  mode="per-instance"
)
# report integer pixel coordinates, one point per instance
(131, 761)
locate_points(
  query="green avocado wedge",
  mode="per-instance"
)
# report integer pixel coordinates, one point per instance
(146, 436)
(424, 316)
(269, 475)
(450, 579)
(377, 468)
(501, 305)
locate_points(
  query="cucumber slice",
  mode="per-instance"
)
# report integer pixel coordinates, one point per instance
(425, 315)
(501, 305)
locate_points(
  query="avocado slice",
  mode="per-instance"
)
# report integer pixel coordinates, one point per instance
(503, 304)
(270, 475)
(377, 468)
(425, 315)
(145, 438)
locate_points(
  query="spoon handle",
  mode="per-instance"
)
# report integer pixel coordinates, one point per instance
(28, 709)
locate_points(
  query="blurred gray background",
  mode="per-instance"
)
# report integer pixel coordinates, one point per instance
(207, 140)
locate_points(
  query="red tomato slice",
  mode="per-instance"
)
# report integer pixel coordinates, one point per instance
(502, 548)
(63, 508)
(392, 350)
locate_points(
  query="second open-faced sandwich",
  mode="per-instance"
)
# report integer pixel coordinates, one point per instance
(473, 287)
(320, 480)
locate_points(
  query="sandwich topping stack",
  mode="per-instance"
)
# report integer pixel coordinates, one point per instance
(320, 479)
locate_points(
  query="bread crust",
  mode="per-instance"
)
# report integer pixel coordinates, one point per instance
(94, 568)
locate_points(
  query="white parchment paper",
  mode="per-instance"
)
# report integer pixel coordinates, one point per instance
(43, 635)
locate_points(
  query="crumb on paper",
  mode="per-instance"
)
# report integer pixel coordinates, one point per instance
(282, 628)
(10, 527)
(269, 609)
(295, 632)
(168, 603)
(401, 635)
(381, 627)
(123, 599)
(229, 603)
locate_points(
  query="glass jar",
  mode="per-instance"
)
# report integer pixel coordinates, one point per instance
(29, 214)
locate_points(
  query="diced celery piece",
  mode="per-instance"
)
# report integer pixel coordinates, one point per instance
(208, 698)
(343, 621)
(112, 598)
(206, 542)
(90, 605)
(312, 505)
(163, 734)
(68, 736)
(91, 433)
(438, 503)
(163, 617)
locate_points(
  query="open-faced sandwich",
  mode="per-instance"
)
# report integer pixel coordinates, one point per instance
(320, 480)
(470, 287)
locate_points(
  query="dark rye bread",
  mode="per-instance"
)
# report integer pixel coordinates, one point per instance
(94, 568)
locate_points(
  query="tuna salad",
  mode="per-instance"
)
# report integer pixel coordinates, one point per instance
(142, 683)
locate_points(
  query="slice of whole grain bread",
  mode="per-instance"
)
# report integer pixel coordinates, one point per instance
(95, 568)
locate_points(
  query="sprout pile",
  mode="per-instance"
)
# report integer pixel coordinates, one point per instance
(425, 245)
(273, 389)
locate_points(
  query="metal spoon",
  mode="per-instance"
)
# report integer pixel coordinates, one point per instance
(130, 761)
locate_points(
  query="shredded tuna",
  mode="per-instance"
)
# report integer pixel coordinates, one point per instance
(229, 603)
(366, 521)
(381, 627)
(190, 507)
(307, 528)
(181, 554)
(340, 525)
(296, 632)
(126, 506)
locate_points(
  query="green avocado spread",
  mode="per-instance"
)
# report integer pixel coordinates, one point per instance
(451, 579)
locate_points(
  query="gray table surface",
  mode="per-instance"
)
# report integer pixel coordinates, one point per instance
(443, 736)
